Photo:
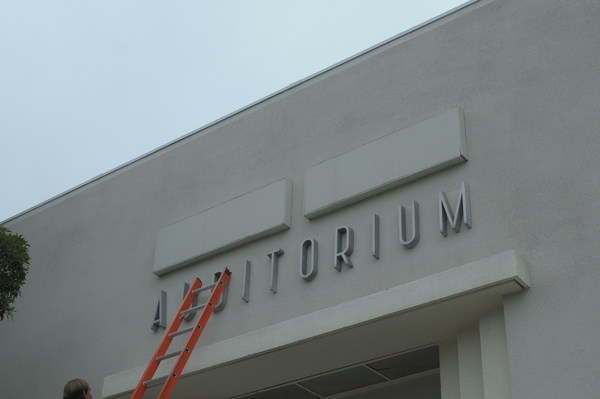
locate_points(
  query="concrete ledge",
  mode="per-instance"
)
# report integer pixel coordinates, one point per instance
(421, 311)
(398, 158)
(256, 214)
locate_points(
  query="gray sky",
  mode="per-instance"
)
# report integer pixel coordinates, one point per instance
(88, 86)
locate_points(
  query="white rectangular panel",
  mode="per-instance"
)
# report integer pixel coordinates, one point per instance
(256, 214)
(408, 154)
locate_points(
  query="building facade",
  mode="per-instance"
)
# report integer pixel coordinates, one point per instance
(418, 221)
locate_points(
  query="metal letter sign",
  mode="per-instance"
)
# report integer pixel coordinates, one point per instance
(160, 317)
(416, 235)
(342, 255)
(246, 287)
(308, 272)
(409, 236)
(463, 211)
(375, 236)
(274, 267)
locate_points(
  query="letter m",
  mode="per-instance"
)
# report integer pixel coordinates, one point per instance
(463, 210)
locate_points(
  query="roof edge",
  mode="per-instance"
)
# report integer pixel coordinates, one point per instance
(240, 110)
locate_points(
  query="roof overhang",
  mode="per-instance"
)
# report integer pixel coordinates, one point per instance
(425, 311)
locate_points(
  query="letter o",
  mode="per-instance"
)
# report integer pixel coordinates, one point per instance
(309, 268)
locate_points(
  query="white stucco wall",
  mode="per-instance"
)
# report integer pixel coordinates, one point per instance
(527, 76)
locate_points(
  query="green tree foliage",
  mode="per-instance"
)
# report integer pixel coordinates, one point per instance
(14, 266)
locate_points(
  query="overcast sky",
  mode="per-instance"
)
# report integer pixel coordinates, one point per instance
(88, 86)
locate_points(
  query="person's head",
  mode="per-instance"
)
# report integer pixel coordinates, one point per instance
(77, 389)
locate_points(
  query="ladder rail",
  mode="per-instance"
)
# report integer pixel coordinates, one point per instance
(165, 342)
(173, 331)
(186, 352)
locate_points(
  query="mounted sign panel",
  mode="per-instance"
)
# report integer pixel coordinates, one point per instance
(248, 217)
(398, 158)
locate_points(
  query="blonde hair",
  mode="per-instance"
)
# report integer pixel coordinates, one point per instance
(75, 389)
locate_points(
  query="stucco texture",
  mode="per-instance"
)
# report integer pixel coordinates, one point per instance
(527, 76)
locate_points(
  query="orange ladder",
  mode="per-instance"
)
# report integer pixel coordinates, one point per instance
(196, 330)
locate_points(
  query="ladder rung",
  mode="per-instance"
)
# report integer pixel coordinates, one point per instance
(204, 288)
(168, 356)
(181, 332)
(155, 380)
(191, 310)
